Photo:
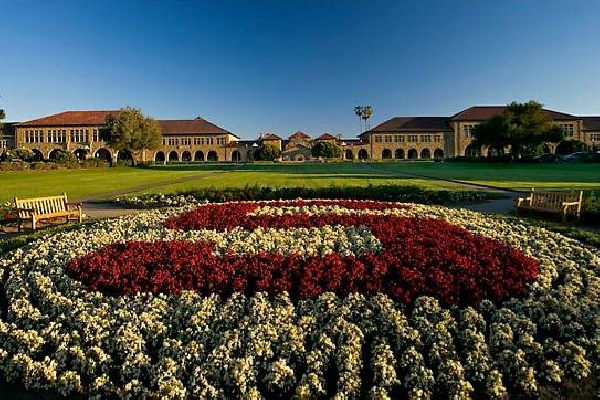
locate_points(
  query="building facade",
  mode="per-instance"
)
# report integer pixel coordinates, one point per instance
(196, 140)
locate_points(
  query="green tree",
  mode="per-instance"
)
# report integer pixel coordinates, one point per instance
(570, 146)
(2, 116)
(327, 150)
(358, 112)
(363, 114)
(267, 152)
(367, 113)
(521, 126)
(131, 130)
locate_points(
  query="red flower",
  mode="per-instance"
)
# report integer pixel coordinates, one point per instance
(420, 257)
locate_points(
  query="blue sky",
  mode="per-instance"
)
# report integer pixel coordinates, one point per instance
(282, 66)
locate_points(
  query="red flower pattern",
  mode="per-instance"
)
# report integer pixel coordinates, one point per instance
(420, 257)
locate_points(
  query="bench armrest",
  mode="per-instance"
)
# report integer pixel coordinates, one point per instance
(521, 200)
(75, 205)
(570, 203)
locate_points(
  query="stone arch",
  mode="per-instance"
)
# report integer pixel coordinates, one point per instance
(186, 156)
(386, 154)
(212, 156)
(362, 154)
(199, 156)
(236, 156)
(348, 154)
(399, 154)
(124, 155)
(53, 154)
(250, 155)
(425, 154)
(38, 155)
(473, 150)
(159, 156)
(81, 154)
(412, 154)
(103, 154)
(438, 154)
(173, 156)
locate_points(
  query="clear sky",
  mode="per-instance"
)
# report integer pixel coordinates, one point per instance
(287, 65)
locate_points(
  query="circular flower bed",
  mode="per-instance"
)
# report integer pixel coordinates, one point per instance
(184, 302)
(419, 256)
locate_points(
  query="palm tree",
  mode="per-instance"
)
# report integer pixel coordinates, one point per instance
(366, 114)
(358, 110)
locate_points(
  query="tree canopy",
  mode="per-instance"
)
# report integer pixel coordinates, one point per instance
(131, 130)
(521, 126)
(267, 152)
(326, 150)
(364, 113)
(570, 146)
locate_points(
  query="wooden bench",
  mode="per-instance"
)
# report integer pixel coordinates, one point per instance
(46, 208)
(554, 202)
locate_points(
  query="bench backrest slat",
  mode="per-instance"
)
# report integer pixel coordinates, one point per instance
(553, 200)
(41, 205)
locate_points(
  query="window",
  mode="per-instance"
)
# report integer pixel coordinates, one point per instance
(399, 138)
(425, 138)
(412, 138)
(95, 135)
(595, 137)
(468, 130)
(568, 130)
(387, 138)
(437, 138)
(3, 144)
(377, 138)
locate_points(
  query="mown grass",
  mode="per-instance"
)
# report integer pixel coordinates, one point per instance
(242, 179)
(513, 176)
(113, 182)
(80, 183)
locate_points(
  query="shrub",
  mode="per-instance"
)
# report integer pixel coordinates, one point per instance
(569, 146)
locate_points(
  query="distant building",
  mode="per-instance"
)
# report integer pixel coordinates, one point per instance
(197, 139)
(7, 136)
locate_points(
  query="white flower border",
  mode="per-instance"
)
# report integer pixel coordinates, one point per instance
(58, 335)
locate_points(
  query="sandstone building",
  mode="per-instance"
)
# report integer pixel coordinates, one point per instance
(200, 140)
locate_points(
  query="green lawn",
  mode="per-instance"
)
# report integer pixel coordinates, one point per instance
(83, 183)
(80, 184)
(555, 176)
(281, 179)
(112, 182)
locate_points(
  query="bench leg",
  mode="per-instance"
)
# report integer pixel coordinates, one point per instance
(33, 223)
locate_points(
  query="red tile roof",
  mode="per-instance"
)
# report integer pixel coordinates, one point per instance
(72, 118)
(412, 124)
(591, 123)
(269, 136)
(326, 136)
(190, 126)
(299, 135)
(481, 113)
